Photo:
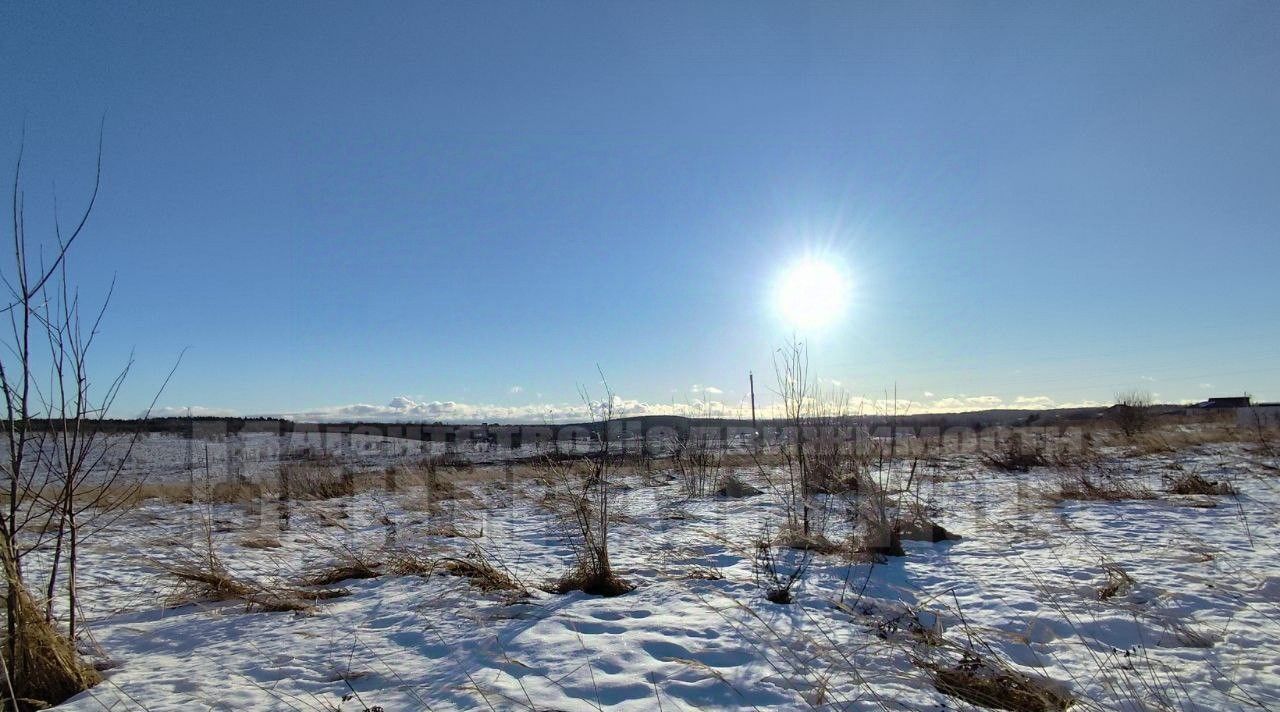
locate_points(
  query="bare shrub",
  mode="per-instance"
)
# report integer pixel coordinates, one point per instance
(585, 501)
(587, 578)
(1264, 432)
(1153, 444)
(1017, 455)
(60, 462)
(697, 459)
(875, 528)
(836, 464)
(777, 575)
(816, 456)
(1071, 453)
(791, 368)
(1132, 412)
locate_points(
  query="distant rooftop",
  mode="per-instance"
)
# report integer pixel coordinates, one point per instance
(1226, 402)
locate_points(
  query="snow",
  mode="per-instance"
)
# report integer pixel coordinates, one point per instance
(1197, 630)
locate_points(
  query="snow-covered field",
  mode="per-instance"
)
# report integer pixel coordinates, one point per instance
(1171, 602)
(256, 455)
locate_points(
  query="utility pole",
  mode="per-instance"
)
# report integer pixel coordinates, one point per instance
(751, 379)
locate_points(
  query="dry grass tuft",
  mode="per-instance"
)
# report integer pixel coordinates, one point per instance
(311, 481)
(1118, 582)
(342, 571)
(206, 578)
(1099, 486)
(260, 542)
(434, 492)
(482, 573)
(920, 528)
(1184, 634)
(878, 538)
(1194, 483)
(982, 682)
(705, 573)
(348, 563)
(733, 487)
(449, 530)
(814, 542)
(433, 464)
(410, 563)
(582, 579)
(45, 669)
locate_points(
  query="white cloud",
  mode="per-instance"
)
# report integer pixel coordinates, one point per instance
(958, 404)
(984, 401)
(947, 404)
(712, 390)
(403, 408)
(515, 389)
(1033, 402)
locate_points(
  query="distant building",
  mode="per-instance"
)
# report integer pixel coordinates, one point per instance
(1226, 402)
(1259, 415)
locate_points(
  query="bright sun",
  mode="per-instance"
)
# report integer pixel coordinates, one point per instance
(811, 294)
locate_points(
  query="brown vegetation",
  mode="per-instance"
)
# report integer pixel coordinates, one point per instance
(980, 681)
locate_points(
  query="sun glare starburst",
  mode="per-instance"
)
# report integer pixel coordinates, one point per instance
(811, 294)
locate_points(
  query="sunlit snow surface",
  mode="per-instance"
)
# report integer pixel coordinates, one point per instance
(1199, 629)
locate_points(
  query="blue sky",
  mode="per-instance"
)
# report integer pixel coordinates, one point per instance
(477, 203)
